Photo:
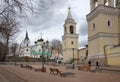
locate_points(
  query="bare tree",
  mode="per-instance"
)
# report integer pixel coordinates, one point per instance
(8, 29)
(1, 50)
(10, 10)
(14, 47)
(9, 26)
(56, 45)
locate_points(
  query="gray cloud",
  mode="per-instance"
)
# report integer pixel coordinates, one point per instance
(83, 30)
(83, 33)
(83, 40)
(48, 16)
(51, 17)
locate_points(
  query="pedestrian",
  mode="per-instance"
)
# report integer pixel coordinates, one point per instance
(97, 64)
(89, 63)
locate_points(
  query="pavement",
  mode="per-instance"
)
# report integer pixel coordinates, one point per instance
(10, 73)
(111, 68)
(6, 76)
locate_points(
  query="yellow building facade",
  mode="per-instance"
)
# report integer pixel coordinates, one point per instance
(113, 55)
(82, 55)
(70, 39)
(104, 31)
(103, 35)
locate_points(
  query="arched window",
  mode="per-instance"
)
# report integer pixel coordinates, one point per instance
(106, 2)
(95, 3)
(71, 29)
(27, 44)
(65, 29)
(117, 3)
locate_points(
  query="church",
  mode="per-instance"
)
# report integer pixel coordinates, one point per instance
(103, 35)
(39, 48)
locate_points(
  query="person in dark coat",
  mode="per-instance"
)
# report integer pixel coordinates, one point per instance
(97, 64)
(89, 63)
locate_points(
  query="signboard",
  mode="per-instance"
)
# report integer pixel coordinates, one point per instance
(40, 53)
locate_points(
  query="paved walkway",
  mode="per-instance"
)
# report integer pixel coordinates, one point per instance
(6, 76)
(16, 74)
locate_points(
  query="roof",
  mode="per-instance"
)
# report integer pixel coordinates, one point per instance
(26, 37)
(69, 16)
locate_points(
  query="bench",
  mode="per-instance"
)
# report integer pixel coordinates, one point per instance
(22, 66)
(69, 67)
(26, 66)
(29, 67)
(40, 69)
(54, 71)
(67, 74)
(84, 67)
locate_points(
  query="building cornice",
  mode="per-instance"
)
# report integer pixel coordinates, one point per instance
(70, 36)
(103, 34)
(69, 22)
(70, 49)
(102, 9)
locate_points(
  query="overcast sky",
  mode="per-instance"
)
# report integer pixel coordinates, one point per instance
(51, 19)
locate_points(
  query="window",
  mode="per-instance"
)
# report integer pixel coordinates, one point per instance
(27, 45)
(72, 42)
(93, 26)
(106, 2)
(109, 23)
(65, 30)
(71, 29)
(96, 3)
(26, 49)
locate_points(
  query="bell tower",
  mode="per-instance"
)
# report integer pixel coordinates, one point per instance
(26, 45)
(70, 38)
(103, 28)
(95, 3)
(26, 40)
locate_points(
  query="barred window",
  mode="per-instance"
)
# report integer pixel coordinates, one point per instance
(93, 26)
(109, 23)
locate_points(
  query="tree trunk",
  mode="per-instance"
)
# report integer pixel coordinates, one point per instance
(6, 51)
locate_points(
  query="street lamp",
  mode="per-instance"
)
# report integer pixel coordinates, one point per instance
(47, 47)
(73, 59)
(43, 45)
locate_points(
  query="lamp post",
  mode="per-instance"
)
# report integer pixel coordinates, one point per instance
(42, 57)
(43, 49)
(73, 59)
(15, 60)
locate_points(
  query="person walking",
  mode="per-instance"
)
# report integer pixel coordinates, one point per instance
(89, 63)
(97, 64)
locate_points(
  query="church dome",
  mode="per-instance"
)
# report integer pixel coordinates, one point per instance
(47, 41)
(40, 40)
(35, 42)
